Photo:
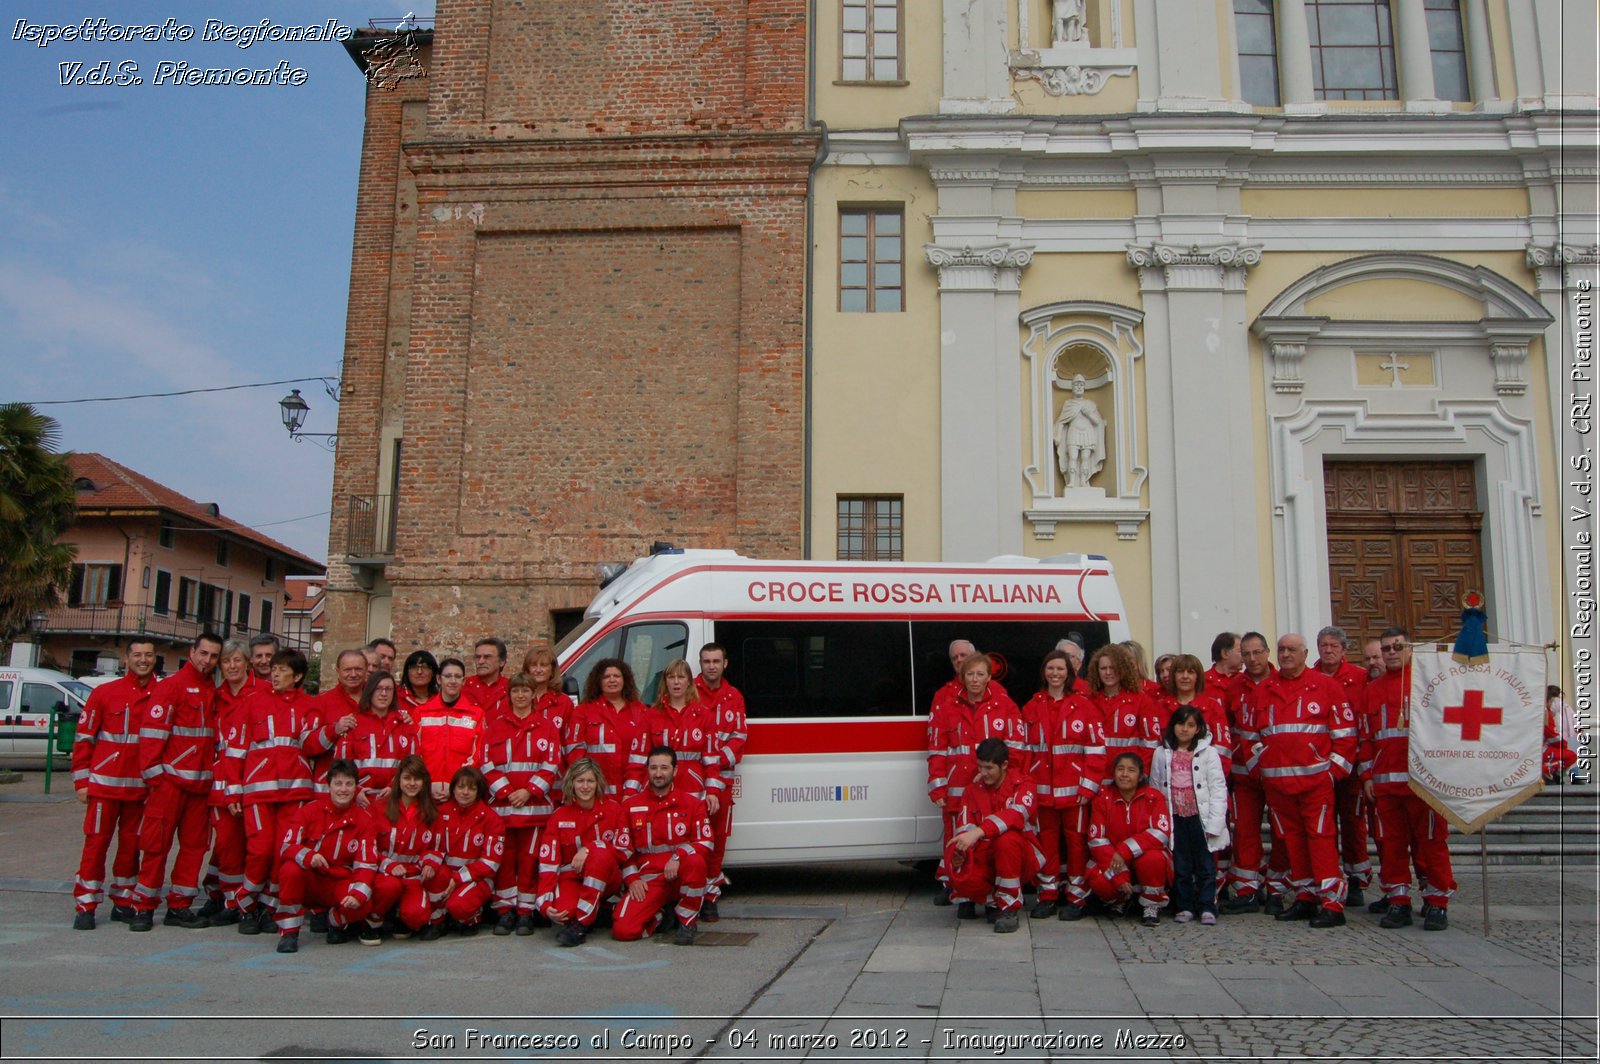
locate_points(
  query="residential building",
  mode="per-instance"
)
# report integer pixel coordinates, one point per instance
(155, 564)
(303, 602)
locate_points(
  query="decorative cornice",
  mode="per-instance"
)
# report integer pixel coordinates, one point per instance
(1127, 519)
(991, 268)
(1508, 362)
(1158, 254)
(1071, 80)
(1563, 255)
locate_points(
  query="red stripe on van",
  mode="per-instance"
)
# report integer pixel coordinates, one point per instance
(837, 736)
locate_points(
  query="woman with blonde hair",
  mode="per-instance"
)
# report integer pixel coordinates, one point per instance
(679, 720)
(581, 853)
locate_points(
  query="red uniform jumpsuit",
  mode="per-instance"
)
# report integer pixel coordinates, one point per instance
(1133, 724)
(226, 870)
(521, 753)
(1249, 799)
(616, 739)
(493, 698)
(1068, 765)
(347, 839)
(601, 831)
(955, 728)
(177, 751)
(1139, 830)
(662, 827)
(993, 871)
(377, 745)
(1558, 756)
(692, 734)
(331, 707)
(556, 707)
(105, 766)
(409, 848)
(473, 844)
(448, 737)
(1410, 828)
(268, 770)
(728, 718)
(1355, 858)
(1307, 743)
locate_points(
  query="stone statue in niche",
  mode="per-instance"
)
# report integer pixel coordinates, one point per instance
(1080, 437)
(1069, 22)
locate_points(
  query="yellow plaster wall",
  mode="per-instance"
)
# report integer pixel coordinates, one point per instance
(1395, 300)
(1383, 202)
(863, 105)
(875, 377)
(1129, 558)
(1066, 203)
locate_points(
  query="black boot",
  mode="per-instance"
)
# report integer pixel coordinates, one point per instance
(1397, 916)
(1435, 918)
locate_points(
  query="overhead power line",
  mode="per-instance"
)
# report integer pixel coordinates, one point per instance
(168, 395)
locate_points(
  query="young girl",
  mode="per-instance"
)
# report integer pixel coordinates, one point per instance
(473, 845)
(1188, 773)
(1130, 840)
(409, 851)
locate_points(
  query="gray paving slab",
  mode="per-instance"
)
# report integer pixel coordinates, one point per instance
(926, 957)
(897, 988)
(1097, 997)
(1472, 994)
(1288, 994)
(1162, 987)
(964, 1001)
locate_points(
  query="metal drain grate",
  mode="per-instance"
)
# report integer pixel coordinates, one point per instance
(725, 938)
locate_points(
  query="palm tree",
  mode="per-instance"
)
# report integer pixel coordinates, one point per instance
(37, 503)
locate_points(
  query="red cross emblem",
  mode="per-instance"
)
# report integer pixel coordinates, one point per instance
(1472, 715)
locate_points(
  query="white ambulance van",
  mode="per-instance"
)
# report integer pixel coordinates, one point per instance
(838, 663)
(26, 698)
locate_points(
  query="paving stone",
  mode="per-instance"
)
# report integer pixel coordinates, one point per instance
(925, 958)
(897, 988)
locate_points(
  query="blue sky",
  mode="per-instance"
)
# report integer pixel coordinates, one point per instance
(166, 237)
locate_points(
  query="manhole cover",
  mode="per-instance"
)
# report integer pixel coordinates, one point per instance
(725, 938)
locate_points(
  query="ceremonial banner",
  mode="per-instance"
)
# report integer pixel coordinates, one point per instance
(1477, 733)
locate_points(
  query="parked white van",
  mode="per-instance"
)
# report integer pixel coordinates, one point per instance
(26, 698)
(838, 662)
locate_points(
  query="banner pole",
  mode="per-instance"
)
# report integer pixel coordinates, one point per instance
(1483, 871)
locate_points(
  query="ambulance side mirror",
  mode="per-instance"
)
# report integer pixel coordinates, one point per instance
(569, 684)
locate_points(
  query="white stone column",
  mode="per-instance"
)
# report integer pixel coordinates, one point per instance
(1480, 52)
(1204, 501)
(1294, 56)
(980, 396)
(1412, 54)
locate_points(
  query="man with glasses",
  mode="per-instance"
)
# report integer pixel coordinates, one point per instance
(1411, 830)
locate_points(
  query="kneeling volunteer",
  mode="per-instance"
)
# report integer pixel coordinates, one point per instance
(670, 836)
(581, 853)
(1130, 839)
(330, 856)
(996, 845)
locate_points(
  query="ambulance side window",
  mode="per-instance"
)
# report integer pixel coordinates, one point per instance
(5, 696)
(650, 647)
(807, 668)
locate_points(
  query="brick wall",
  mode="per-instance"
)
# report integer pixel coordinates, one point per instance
(603, 322)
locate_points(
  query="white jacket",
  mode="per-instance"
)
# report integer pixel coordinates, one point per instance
(1210, 789)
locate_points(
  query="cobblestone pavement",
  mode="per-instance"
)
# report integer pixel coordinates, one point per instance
(1380, 1038)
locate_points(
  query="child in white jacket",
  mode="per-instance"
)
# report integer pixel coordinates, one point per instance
(1188, 773)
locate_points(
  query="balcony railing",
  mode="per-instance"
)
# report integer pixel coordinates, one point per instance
(369, 526)
(125, 621)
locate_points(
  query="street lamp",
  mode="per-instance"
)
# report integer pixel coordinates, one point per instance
(294, 408)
